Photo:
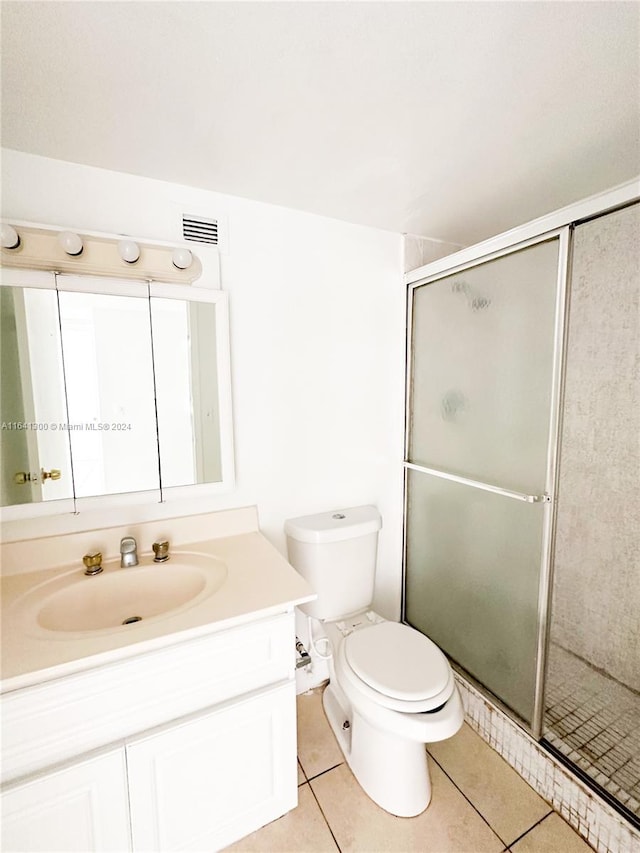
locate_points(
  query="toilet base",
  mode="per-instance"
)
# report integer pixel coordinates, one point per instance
(391, 770)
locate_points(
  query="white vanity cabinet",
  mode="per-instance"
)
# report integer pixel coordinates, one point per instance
(75, 809)
(210, 780)
(187, 747)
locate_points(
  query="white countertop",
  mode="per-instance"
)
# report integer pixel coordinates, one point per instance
(260, 583)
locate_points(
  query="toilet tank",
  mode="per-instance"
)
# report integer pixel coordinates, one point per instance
(336, 552)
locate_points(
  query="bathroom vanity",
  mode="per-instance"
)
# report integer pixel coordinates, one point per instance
(177, 732)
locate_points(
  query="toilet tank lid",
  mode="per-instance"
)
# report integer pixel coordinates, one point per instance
(335, 525)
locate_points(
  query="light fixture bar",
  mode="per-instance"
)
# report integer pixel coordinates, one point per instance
(63, 251)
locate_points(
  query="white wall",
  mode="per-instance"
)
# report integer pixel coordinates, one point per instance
(317, 340)
(419, 251)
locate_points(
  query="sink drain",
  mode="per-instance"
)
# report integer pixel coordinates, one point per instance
(132, 619)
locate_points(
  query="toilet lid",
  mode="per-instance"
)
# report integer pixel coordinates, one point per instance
(397, 661)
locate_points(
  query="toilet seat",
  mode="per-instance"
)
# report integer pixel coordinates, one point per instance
(396, 666)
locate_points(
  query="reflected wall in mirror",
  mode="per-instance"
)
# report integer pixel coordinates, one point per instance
(187, 399)
(34, 445)
(109, 374)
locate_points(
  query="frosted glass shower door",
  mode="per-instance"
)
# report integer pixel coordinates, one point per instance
(479, 431)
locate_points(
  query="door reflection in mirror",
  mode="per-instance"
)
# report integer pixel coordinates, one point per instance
(109, 376)
(33, 411)
(184, 352)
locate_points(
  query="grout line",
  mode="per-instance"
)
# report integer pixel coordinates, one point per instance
(467, 799)
(335, 840)
(322, 772)
(595, 764)
(537, 823)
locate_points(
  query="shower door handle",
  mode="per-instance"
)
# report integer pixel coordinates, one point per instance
(477, 484)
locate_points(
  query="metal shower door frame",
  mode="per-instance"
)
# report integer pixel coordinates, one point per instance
(482, 255)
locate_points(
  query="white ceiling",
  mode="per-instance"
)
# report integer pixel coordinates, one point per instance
(451, 120)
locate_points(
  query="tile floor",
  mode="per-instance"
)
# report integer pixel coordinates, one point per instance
(479, 804)
(595, 722)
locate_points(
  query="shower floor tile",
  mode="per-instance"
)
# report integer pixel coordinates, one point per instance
(597, 719)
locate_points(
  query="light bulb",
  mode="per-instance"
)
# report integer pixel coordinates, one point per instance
(129, 251)
(71, 243)
(182, 258)
(10, 237)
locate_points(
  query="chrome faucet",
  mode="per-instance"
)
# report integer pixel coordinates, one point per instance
(128, 552)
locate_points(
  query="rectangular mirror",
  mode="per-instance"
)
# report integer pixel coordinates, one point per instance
(34, 444)
(187, 398)
(190, 330)
(147, 406)
(106, 341)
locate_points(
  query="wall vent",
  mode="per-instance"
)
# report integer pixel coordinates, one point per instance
(199, 229)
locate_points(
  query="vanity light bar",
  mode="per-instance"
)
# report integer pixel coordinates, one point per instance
(64, 251)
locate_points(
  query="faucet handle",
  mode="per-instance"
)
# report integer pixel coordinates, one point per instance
(161, 550)
(92, 563)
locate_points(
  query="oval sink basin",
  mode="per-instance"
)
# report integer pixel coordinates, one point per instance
(121, 597)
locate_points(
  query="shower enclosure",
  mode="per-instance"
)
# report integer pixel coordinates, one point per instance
(521, 484)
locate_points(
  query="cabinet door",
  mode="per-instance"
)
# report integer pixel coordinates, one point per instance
(77, 809)
(216, 777)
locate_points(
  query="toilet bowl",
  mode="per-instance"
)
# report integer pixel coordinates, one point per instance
(391, 690)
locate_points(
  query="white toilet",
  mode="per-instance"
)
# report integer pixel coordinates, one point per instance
(391, 689)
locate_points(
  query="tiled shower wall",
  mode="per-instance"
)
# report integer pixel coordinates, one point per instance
(596, 597)
(599, 824)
